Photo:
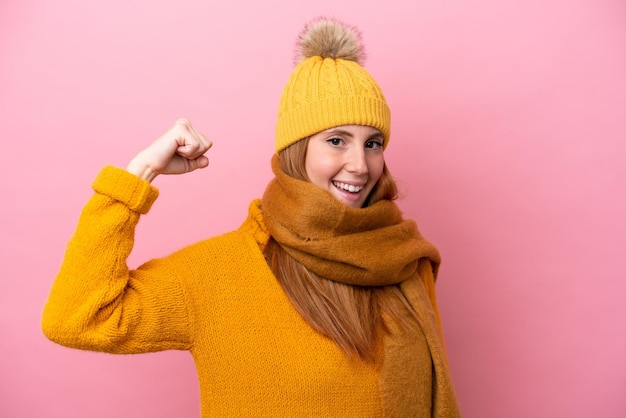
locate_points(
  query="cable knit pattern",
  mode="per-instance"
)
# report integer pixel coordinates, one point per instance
(255, 356)
(322, 93)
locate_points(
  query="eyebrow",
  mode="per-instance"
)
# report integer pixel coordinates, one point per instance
(340, 131)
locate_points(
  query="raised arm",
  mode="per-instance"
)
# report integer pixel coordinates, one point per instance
(96, 302)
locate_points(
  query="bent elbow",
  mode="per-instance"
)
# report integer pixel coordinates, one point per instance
(56, 329)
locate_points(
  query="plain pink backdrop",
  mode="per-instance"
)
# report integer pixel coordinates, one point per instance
(509, 124)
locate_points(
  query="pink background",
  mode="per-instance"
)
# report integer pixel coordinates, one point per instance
(508, 140)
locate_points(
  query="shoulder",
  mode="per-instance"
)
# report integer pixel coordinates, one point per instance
(225, 257)
(224, 246)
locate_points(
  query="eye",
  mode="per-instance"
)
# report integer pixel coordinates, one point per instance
(334, 141)
(374, 143)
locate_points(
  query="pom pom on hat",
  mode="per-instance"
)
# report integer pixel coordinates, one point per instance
(329, 38)
(329, 87)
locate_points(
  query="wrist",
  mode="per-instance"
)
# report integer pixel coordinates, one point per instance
(143, 171)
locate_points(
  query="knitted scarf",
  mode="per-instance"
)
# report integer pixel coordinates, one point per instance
(372, 246)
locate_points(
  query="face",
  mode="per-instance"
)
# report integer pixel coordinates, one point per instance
(347, 161)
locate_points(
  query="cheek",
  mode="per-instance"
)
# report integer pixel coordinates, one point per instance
(376, 167)
(319, 171)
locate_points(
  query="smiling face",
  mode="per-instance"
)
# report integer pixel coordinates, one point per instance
(347, 161)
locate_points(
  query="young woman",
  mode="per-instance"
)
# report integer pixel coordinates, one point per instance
(321, 304)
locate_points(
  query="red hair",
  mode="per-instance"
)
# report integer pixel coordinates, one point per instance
(351, 316)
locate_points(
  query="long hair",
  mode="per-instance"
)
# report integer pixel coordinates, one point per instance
(351, 316)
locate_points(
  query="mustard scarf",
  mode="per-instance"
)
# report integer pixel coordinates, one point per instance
(372, 246)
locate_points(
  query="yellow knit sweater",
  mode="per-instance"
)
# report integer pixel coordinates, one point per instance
(254, 354)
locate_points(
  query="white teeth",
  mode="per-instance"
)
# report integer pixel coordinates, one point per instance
(348, 187)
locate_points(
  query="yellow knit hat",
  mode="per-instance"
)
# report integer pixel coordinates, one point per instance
(329, 87)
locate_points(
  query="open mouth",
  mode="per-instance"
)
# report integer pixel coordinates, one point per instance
(347, 187)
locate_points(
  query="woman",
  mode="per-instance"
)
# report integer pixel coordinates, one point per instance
(321, 304)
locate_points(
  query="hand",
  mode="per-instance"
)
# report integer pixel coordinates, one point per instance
(180, 150)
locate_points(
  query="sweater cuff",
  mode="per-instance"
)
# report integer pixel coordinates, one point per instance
(120, 185)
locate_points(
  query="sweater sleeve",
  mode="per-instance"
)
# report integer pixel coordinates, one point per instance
(96, 302)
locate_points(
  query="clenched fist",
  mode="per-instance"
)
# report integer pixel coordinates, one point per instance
(180, 150)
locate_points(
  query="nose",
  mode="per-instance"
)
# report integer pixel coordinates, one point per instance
(356, 161)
